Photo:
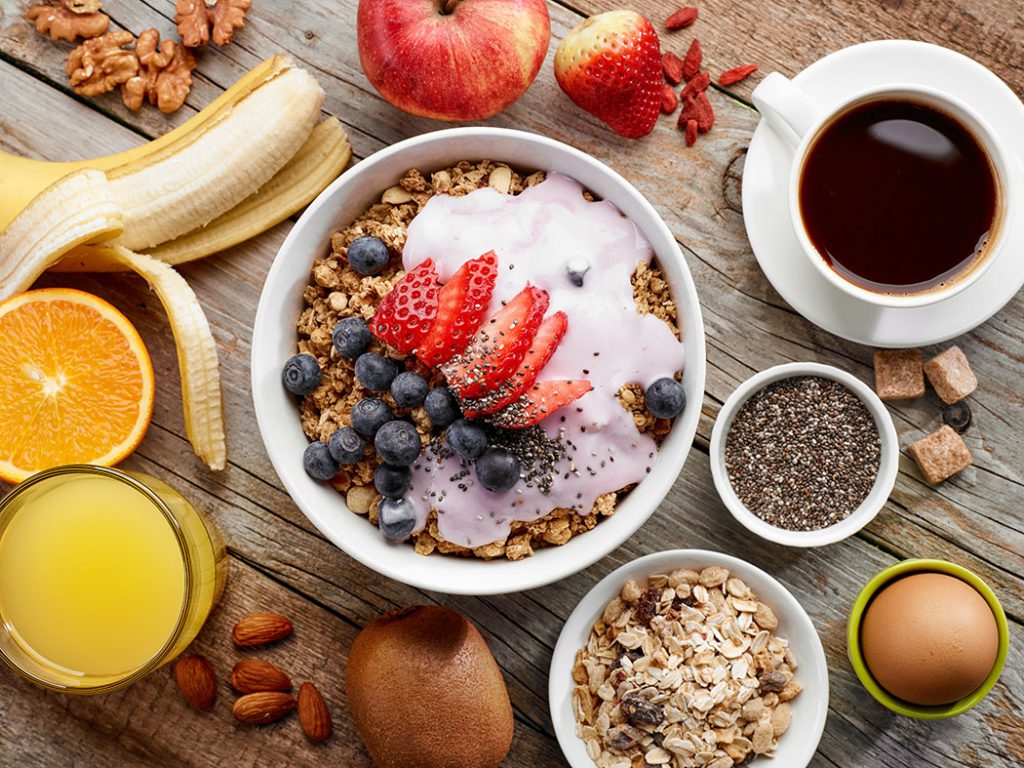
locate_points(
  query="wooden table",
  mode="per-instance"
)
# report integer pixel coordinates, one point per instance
(278, 559)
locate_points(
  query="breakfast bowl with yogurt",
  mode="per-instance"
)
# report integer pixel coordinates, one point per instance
(478, 361)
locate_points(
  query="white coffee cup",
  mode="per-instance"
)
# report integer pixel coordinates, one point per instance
(798, 121)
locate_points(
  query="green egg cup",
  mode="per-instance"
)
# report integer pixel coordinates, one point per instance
(899, 706)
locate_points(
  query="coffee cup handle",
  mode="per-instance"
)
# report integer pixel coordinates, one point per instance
(786, 108)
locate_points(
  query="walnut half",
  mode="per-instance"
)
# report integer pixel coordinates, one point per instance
(101, 64)
(196, 19)
(69, 20)
(165, 74)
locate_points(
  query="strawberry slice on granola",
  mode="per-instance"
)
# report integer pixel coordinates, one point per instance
(544, 345)
(405, 315)
(538, 402)
(461, 306)
(498, 347)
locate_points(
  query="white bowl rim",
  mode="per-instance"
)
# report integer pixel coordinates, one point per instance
(472, 576)
(580, 621)
(856, 520)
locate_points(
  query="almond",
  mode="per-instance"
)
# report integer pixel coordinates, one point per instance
(314, 717)
(197, 680)
(254, 675)
(260, 629)
(263, 707)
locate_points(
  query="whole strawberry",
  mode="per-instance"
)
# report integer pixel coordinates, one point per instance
(610, 65)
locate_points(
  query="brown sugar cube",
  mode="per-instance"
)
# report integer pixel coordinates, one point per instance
(898, 374)
(940, 455)
(951, 375)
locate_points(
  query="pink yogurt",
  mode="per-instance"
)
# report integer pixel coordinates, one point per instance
(537, 235)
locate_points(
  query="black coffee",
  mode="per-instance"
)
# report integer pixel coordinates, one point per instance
(898, 197)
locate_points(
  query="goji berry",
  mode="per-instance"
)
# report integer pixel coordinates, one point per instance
(669, 100)
(681, 19)
(732, 76)
(691, 64)
(672, 66)
(691, 132)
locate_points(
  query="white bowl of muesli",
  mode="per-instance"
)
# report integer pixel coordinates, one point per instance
(688, 658)
(478, 361)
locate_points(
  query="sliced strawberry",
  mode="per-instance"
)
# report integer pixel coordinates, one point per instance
(405, 315)
(544, 345)
(539, 402)
(461, 305)
(498, 348)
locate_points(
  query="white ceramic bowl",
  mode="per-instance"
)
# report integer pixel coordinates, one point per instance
(274, 339)
(884, 481)
(810, 708)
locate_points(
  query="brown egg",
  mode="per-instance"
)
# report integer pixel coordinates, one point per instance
(425, 692)
(929, 639)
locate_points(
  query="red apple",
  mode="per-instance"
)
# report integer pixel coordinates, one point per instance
(452, 59)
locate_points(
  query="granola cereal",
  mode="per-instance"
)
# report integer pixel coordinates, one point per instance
(684, 671)
(337, 291)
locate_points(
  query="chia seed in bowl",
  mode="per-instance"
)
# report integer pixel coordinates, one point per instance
(804, 454)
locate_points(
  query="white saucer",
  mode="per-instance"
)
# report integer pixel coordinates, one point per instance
(766, 207)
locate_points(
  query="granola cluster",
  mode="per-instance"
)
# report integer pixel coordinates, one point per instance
(684, 672)
(337, 291)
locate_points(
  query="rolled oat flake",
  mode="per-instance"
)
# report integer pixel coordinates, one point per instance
(803, 453)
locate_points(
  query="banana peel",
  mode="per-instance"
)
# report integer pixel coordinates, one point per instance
(197, 353)
(184, 196)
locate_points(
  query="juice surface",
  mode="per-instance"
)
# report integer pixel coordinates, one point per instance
(92, 579)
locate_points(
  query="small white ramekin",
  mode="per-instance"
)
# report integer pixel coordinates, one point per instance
(810, 709)
(884, 481)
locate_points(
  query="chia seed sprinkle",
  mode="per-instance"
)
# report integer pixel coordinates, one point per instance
(803, 453)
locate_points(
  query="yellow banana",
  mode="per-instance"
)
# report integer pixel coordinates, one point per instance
(320, 160)
(22, 178)
(76, 209)
(170, 193)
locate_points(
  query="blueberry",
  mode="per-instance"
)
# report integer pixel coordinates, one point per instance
(391, 481)
(317, 461)
(576, 269)
(346, 445)
(497, 469)
(466, 438)
(301, 374)
(375, 371)
(368, 255)
(351, 336)
(369, 415)
(409, 389)
(395, 518)
(957, 415)
(666, 398)
(442, 407)
(397, 443)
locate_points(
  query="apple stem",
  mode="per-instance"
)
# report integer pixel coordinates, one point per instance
(449, 6)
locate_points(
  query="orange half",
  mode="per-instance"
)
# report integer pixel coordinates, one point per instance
(76, 382)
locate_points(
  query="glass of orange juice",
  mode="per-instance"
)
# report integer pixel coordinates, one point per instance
(104, 576)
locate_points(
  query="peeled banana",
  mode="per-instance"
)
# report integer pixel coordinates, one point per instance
(76, 209)
(22, 178)
(184, 196)
(320, 160)
(172, 192)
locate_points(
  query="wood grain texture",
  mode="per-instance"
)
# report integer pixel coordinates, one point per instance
(280, 562)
